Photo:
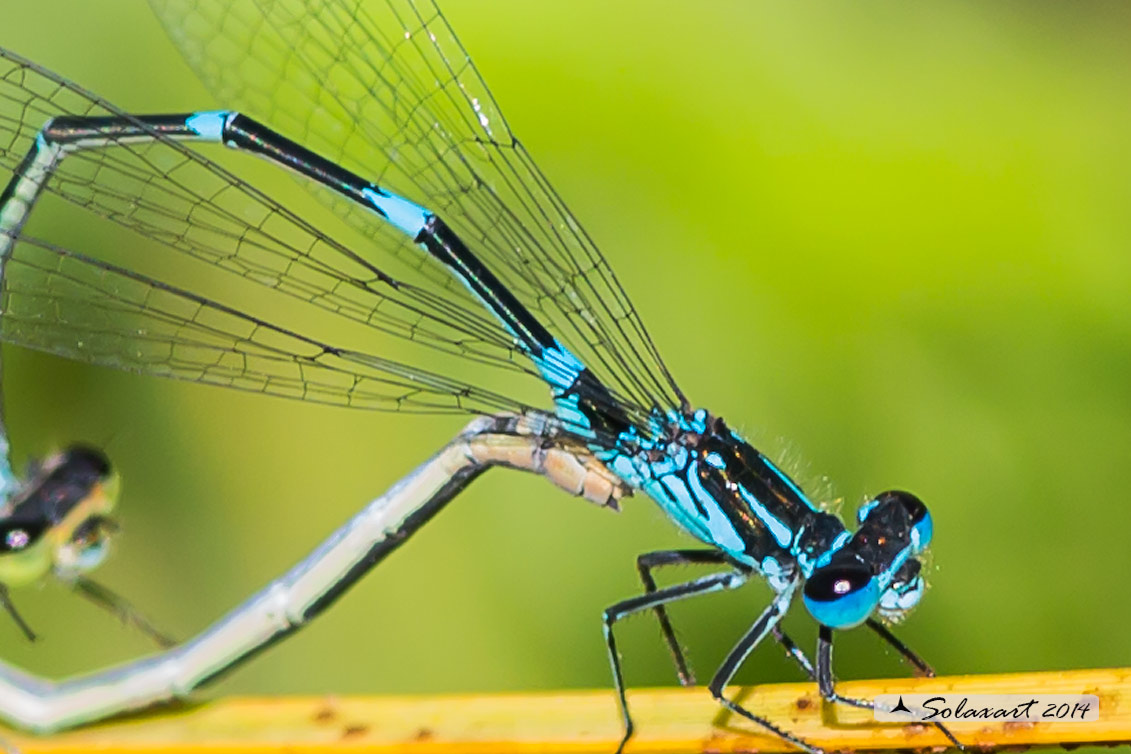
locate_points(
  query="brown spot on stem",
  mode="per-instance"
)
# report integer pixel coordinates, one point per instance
(1017, 725)
(352, 731)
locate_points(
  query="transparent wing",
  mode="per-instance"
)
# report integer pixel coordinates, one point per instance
(170, 192)
(65, 303)
(385, 88)
(8, 482)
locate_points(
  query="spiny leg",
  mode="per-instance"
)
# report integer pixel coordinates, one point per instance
(714, 582)
(795, 652)
(119, 606)
(826, 681)
(644, 565)
(649, 560)
(922, 669)
(763, 626)
(8, 607)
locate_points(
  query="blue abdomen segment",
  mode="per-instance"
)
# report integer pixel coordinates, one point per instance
(406, 216)
(243, 133)
(583, 403)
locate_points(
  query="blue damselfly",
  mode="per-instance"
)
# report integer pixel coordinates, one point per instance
(624, 402)
(413, 95)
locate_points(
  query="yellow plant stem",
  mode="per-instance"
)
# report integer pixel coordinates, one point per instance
(668, 720)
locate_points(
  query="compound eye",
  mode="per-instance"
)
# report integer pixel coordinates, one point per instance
(17, 536)
(24, 558)
(87, 547)
(91, 555)
(89, 461)
(922, 527)
(841, 595)
(915, 508)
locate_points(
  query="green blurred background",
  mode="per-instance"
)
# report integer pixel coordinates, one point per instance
(890, 243)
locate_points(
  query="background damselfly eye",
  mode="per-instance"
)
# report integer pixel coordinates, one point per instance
(87, 548)
(16, 536)
(91, 555)
(24, 554)
(87, 464)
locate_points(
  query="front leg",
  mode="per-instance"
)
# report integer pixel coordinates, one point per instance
(922, 669)
(826, 680)
(763, 626)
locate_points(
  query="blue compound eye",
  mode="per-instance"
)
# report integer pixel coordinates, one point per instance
(922, 528)
(841, 595)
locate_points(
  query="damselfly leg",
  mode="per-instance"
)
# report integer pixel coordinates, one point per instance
(120, 607)
(826, 679)
(763, 626)
(703, 585)
(920, 665)
(648, 561)
(8, 607)
(657, 599)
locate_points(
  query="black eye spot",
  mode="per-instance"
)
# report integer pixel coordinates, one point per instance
(17, 539)
(834, 582)
(19, 535)
(87, 462)
(916, 510)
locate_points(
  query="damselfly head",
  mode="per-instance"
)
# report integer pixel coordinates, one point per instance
(59, 520)
(877, 570)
